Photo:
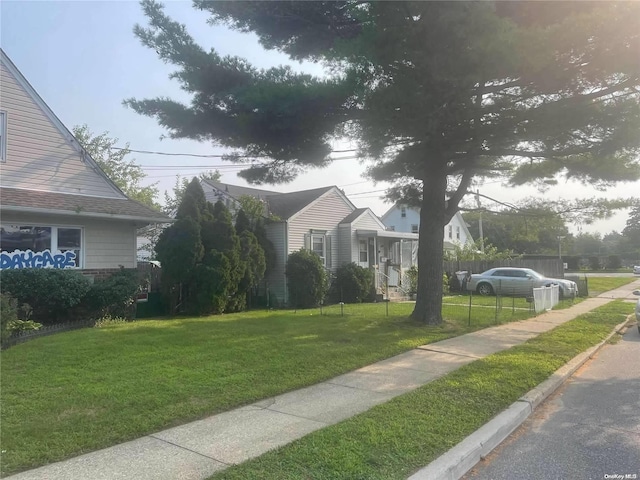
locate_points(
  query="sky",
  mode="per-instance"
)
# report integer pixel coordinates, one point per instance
(84, 60)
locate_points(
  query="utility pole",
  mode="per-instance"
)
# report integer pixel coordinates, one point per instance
(480, 221)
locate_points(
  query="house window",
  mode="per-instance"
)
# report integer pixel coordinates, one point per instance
(38, 239)
(318, 245)
(414, 228)
(364, 252)
(3, 136)
(403, 212)
(458, 233)
(450, 231)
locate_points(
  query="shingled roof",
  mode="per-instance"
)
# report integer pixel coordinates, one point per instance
(15, 199)
(282, 205)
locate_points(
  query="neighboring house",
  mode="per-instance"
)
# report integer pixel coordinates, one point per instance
(58, 209)
(323, 220)
(401, 218)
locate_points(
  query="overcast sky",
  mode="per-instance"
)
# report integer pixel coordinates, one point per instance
(83, 60)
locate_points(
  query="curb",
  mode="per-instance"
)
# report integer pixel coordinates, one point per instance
(453, 464)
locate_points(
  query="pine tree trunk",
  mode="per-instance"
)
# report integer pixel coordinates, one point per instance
(428, 307)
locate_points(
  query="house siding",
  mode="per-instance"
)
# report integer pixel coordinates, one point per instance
(365, 222)
(276, 280)
(345, 249)
(39, 156)
(394, 219)
(105, 244)
(324, 214)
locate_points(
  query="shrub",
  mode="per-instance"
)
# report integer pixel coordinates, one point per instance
(594, 263)
(23, 326)
(8, 314)
(108, 320)
(614, 262)
(412, 280)
(353, 284)
(306, 279)
(114, 296)
(51, 293)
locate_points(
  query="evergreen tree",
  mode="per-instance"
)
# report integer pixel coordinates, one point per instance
(438, 95)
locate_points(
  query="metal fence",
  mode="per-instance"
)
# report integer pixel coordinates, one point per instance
(45, 330)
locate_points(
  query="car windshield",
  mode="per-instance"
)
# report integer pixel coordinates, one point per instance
(535, 274)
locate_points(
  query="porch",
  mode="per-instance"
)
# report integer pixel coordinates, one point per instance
(389, 254)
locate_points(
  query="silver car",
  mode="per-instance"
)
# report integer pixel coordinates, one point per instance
(517, 282)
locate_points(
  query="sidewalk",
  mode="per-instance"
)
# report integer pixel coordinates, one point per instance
(199, 449)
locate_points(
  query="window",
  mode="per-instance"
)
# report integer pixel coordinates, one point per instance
(39, 238)
(403, 212)
(450, 231)
(414, 228)
(458, 233)
(3, 136)
(318, 247)
(364, 252)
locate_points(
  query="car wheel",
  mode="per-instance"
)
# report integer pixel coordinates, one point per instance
(485, 289)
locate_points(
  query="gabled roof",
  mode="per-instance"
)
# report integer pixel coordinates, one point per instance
(16, 199)
(64, 131)
(282, 205)
(285, 205)
(353, 216)
(237, 191)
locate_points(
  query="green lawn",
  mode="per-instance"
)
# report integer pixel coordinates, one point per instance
(74, 392)
(395, 439)
(598, 285)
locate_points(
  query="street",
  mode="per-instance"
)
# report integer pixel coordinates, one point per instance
(589, 429)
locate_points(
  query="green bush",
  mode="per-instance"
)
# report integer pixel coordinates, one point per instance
(114, 296)
(411, 277)
(306, 279)
(353, 284)
(614, 262)
(23, 326)
(50, 292)
(8, 314)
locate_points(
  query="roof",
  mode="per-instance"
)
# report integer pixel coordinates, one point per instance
(285, 205)
(16, 199)
(353, 215)
(237, 191)
(282, 205)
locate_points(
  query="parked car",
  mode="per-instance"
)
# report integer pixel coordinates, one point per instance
(637, 292)
(517, 282)
(636, 269)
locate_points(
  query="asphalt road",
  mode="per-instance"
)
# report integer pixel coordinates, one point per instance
(589, 429)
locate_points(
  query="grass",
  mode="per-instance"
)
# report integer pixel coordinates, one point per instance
(393, 440)
(598, 285)
(78, 391)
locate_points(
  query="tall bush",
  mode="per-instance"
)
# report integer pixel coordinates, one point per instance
(50, 292)
(8, 314)
(306, 279)
(352, 284)
(114, 296)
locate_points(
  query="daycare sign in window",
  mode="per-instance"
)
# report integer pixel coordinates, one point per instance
(44, 259)
(36, 246)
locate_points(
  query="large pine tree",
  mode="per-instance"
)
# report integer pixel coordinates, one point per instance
(438, 95)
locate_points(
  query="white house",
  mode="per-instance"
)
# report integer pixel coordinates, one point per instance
(402, 218)
(58, 209)
(323, 220)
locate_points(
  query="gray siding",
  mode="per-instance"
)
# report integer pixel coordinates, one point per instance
(325, 214)
(365, 222)
(276, 280)
(105, 243)
(345, 234)
(39, 156)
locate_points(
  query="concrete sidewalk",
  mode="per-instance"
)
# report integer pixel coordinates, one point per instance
(199, 449)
